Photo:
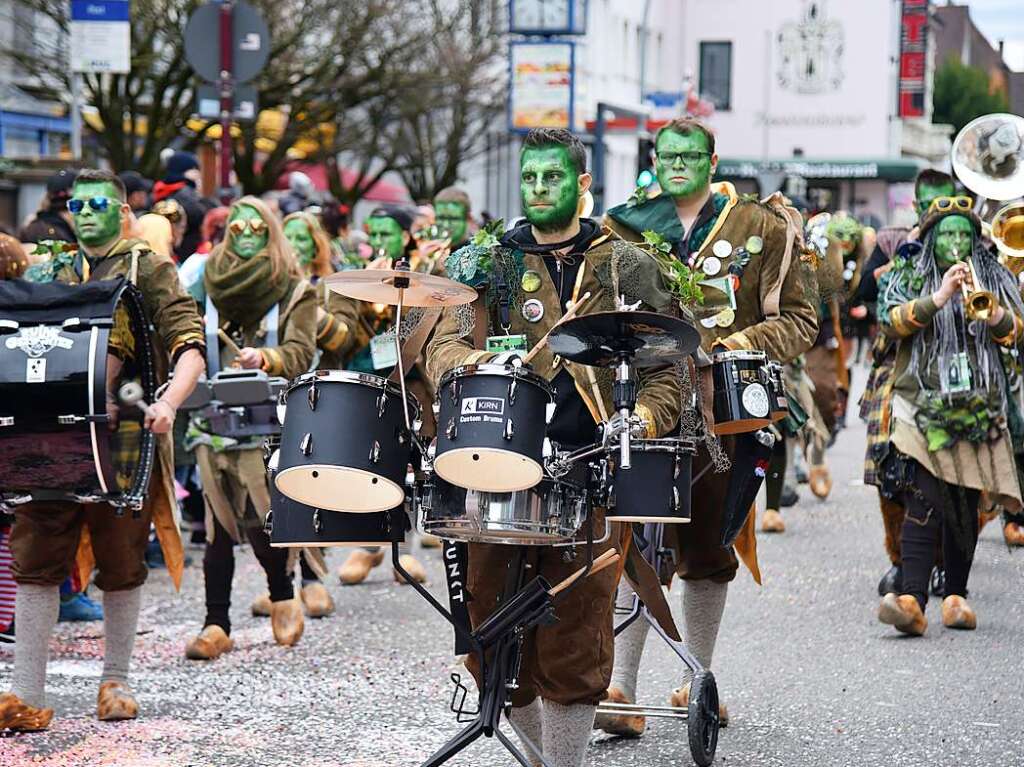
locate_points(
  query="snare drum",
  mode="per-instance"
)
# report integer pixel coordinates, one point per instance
(58, 344)
(551, 512)
(295, 525)
(344, 443)
(656, 486)
(491, 426)
(743, 397)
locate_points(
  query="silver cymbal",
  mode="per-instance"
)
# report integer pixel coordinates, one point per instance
(378, 286)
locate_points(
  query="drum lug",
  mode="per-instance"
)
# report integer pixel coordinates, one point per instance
(306, 445)
(382, 402)
(435, 406)
(312, 395)
(375, 452)
(7, 420)
(509, 429)
(268, 523)
(453, 392)
(676, 501)
(451, 430)
(512, 391)
(282, 406)
(318, 522)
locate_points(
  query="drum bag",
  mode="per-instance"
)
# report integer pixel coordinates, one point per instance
(455, 563)
(53, 302)
(749, 466)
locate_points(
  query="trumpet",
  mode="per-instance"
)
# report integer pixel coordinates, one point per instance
(979, 304)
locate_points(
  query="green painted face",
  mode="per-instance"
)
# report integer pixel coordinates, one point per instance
(385, 234)
(301, 238)
(954, 236)
(927, 193)
(548, 187)
(847, 232)
(95, 228)
(683, 163)
(246, 241)
(454, 219)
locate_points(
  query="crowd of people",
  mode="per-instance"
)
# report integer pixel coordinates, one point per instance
(244, 286)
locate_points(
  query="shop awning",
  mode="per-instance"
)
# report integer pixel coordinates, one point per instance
(887, 169)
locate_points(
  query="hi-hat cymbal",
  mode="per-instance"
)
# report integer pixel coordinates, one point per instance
(644, 338)
(377, 286)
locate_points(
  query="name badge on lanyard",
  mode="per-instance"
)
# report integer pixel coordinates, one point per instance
(510, 343)
(382, 352)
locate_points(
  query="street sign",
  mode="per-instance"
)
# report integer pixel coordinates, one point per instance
(250, 41)
(246, 103)
(101, 38)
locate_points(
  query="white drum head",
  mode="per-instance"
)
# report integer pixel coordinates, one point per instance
(488, 470)
(338, 488)
(644, 520)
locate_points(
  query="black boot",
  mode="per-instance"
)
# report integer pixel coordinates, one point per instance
(892, 581)
(789, 496)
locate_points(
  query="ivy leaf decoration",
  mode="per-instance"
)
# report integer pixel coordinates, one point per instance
(60, 254)
(681, 281)
(639, 195)
(471, 264)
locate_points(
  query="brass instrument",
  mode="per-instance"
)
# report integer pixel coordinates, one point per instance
(979, 304)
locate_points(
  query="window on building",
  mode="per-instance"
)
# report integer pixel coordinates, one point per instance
(716, 73)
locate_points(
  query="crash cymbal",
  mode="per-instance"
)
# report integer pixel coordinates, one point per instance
(377, 286)
(645, 338)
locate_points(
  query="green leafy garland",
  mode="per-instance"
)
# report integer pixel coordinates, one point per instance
(60, 255)
(682, 281)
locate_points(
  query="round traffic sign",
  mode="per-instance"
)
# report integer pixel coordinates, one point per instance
(250, 41)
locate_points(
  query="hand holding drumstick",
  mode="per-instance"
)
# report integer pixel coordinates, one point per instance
(565, 318)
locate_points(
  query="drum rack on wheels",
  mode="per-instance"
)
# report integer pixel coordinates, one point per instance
(701, 716)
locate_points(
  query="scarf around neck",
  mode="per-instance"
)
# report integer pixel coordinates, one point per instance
(243, 289)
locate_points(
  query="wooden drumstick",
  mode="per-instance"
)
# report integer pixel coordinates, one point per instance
(607, 559)
(232, 346)
(565, 317)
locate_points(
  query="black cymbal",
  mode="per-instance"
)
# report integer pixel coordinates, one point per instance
(645, 338)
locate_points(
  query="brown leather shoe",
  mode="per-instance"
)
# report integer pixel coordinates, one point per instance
(115, 703)
(904, 613)
(957, 614)
(771, 522)
(626, 726)
(287, 622)
(261, 605)
(1013, 534)
(358, 566)
(19, 716)
(210, 644)
(681, 699)
(820, 481)
(412, 566)
(316, 599)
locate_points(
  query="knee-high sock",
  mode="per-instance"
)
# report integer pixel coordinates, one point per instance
(530, 720)
(35, 614)
(120, 619)
(703, 605)
(629, 645)
(567, 733)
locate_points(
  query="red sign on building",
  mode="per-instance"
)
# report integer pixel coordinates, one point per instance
(913, 57)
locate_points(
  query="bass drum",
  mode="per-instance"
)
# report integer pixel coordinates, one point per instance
(65, 350)
(656, 486)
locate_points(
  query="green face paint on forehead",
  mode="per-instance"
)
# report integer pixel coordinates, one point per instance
(452, 217)
(247, 243)
(548, 187)
(385, 235)
(683, 163)
(95, 228)
(954, 236)
(926, 193)
(301, 238)
(847, 231)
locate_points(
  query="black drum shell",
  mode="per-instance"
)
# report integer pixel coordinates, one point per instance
(484, 423)
(733, 374)
(292, 525)
(647, 490)
(344, 425)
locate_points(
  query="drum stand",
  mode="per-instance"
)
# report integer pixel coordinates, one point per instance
(702, 714)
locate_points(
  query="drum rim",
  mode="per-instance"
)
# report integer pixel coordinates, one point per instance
(503, 371)
(355, 377)
(682, 445)
(430, 477)
(740, 354)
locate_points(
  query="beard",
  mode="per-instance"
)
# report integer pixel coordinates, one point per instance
(555, 219)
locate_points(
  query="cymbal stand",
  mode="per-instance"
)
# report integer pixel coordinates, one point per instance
(402, 283)
(624, 392)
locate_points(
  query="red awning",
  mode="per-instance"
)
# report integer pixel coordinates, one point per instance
(382, 191)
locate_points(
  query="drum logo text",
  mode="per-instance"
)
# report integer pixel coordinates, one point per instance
(39, 340)
(483, 406)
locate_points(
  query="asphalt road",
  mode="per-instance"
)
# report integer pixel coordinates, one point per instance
(809, 675)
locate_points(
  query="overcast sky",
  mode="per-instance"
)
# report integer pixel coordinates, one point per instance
(1001, 19)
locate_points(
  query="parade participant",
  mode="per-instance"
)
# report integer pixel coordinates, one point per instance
(175, 214)
(336, 222)
(138, 188)
(253, 291)
(721, 235)
(180, 184)
(454, 215)
(566, 666)
(877, 397)
(954, 421)
(53, 221)
(46, 533)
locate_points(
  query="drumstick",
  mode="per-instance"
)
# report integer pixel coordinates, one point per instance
(607, 559)
(232, 346)
(565, 317)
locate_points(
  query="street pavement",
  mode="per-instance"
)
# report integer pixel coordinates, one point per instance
(809, 675)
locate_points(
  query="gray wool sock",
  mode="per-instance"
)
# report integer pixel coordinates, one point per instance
(529, 719)
(629, 645)
(35, 614)
(567, 733)
(120, 619)
(703, 605)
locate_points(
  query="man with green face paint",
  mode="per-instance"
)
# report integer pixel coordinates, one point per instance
(546, 262)
(47, 533)
(453, 215)
(877, 399)
(747, 250)
(955, 424)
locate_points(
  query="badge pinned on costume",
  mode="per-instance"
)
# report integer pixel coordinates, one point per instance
(531, 281)
(754, 245)
(725, 318)
(711, 266)
(722, 249)
(719, 293)
(383, 354)
(959, 375)
(533, 310)
(509, 343)
(709, 322)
